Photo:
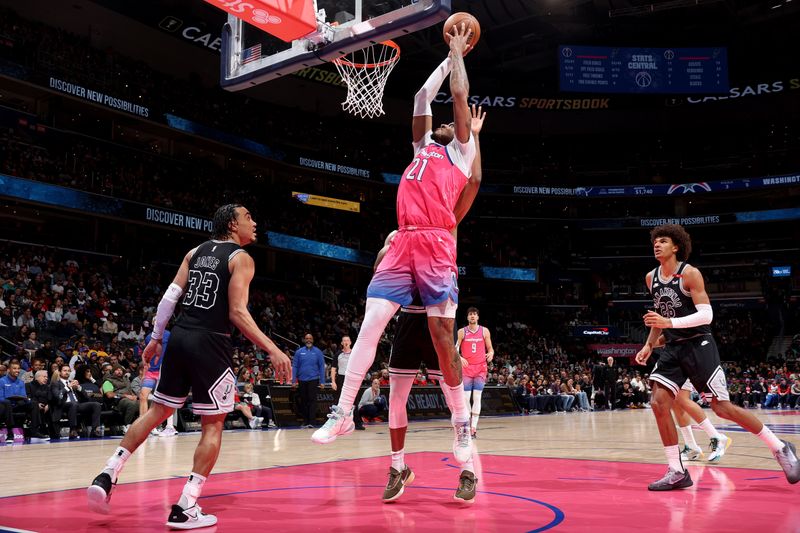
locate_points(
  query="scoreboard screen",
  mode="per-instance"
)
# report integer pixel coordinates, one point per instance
(591, 69)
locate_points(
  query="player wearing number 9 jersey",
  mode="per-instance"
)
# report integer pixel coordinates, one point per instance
(212, 286)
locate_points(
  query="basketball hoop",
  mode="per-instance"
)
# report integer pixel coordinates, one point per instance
(365, 72)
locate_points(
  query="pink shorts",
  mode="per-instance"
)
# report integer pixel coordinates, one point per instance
(151, 378)
(421, 258)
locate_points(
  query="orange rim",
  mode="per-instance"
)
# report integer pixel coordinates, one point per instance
(391, 44)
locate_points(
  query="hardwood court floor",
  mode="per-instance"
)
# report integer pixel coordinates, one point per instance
(571, 472)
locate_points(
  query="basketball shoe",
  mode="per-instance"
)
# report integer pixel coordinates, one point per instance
(673, 480)
(718, 447)
(462, 441)
(191, 518)
(787, 458)
(691, 454)
(467, 484)
(397, 483)
(99, 494)
(339, 423)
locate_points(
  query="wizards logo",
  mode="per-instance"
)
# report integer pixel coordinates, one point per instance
(683, 188)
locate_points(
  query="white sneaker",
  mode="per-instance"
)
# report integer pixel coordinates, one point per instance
(691, 454)
(155, 432)
(718, 447)
(339, 423)
(125, 428)
(168, 431)
(253, 422)
(191, 518)
(272, 424)
(259, 422)
(462, 442)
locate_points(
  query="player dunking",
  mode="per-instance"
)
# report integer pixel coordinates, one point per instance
(475, 345)
(214, 281)
(683, 314)
(422, 255)
(412, 345)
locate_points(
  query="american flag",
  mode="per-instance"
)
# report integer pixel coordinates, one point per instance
(251, 54)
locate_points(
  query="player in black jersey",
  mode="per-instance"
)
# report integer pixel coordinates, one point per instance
(212, 286)
(681, 324)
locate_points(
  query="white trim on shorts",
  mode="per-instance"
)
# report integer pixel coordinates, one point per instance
(687, 385)
(445, 309)
(718, 385)
(169, 401)
(667, 383)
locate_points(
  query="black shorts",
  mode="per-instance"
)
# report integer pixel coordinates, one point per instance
(412, 345)
(199, 361)
(697, 360)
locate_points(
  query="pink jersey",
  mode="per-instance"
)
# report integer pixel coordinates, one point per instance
(432, 183)
(473, 347)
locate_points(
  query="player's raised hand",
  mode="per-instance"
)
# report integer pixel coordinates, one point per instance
(152, 349)
(458, 39)
(644, 354)
(478, 114)
(282, 365)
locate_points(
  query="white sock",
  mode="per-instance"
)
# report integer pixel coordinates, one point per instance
(468, 466)
(192, 490)
(709, 428)
(673, 454)
(477, 399)
(398, 460)
(770, 439)
(170, 421)
(475, 417)
(116, 463)
(688, 437)
(454, 396)
(377, 314)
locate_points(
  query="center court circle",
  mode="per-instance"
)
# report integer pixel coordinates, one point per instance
(457, 509)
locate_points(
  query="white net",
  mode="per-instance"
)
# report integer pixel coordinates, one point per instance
(365, 72)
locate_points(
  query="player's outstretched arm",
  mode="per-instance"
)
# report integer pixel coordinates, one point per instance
(470, 191)
(422, 120)
(242, 271)
(166, 308)
(459, 83)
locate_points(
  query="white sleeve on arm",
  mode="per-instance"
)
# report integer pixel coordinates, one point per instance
(424, 97)
(165, 309)
(703, 316)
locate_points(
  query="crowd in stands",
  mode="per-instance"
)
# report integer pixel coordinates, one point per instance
(73, 328)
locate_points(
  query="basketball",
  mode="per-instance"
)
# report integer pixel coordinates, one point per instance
(471, 22)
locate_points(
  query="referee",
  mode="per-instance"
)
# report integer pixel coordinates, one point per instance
(338, 369)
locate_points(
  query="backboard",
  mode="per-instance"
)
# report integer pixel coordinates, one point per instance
(250, 56)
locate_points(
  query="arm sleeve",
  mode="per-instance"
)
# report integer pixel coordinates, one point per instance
(165, 309)
(424, 97)
(702, 317)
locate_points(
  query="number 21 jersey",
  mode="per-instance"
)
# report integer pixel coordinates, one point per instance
(432, 183)
(205, 303)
